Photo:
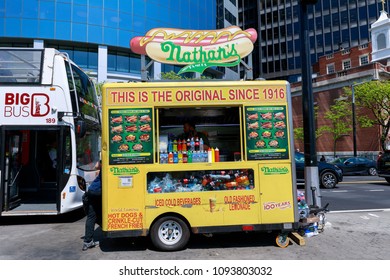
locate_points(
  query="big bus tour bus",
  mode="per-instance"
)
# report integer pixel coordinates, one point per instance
(162, 181)
(49, 132)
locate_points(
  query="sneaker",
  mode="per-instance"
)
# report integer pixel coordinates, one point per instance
(88, 245)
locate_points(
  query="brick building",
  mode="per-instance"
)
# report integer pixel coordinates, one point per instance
(331, 74)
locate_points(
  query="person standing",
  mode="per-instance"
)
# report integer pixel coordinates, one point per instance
(92, 201)
(191, 132)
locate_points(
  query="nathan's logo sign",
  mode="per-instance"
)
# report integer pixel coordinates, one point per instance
(124, 171)
(198, 49)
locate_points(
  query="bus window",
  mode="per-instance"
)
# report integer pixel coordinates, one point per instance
(86, 93)
(221, 125)
(88, 150)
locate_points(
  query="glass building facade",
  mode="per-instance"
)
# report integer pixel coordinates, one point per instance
(79, 27)
(333, 25)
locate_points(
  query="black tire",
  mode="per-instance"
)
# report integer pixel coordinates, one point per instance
(387, 179)
(328, 180)
(169, 233)
(372, 171)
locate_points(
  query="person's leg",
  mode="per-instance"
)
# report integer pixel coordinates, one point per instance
(90, 224)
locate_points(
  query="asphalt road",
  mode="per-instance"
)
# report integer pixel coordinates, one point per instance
(358, 193)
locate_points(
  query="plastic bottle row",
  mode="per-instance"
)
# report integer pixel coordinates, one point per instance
(193, 144)
(212, 155)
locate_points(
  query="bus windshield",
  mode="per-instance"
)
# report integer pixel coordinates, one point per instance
(20, 66)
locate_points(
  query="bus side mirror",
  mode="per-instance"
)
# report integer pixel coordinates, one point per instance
(80, 128)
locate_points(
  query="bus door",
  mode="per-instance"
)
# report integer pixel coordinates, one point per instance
(11, 170)
(31, 165)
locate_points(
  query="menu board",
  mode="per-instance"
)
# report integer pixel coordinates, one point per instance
(131, 136)
(266, 132)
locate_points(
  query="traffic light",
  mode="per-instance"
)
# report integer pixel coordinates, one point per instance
(309, 2)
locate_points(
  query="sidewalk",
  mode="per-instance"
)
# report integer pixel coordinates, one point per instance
(363, 235)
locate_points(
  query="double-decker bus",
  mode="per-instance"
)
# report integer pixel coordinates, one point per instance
(49, 132)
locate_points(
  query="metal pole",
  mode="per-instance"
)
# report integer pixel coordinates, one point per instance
(354, 123)
(311, 164)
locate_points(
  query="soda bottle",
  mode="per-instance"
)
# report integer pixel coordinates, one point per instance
(170, 146)
(189, 160)
(201, 148)
(188, 144)
(170, 157)
(175, 157)
(196, 144)
(192, 143)
(174, 149)
(212, 155)
(185, 157)
(161, 157)
(179, 147)
(180, 157)
(216, 155)
(184, 145)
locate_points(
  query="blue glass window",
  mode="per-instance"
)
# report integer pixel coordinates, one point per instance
(79, 32)
(63, 12)
(110, 36)
(139, 8)
(111, 62)
(81, 2)
(139, 24)
(111, 18)
(113, 4)
(122, 62)
(29, 27)
(79, 14)
(63, 30)
(46, 28)
(80, 57)
(97, 3)
(124, 38)
(95, 16)
(153, 11)
(95, 34)
(2, 26)
(12, 27)
(13, 8)
(125, 21)
(126, 6)
(135, 64)
(46, 10)
(30, 9)
(92, 60)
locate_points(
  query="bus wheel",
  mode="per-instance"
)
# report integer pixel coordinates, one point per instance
(169, 234)
(282, 240)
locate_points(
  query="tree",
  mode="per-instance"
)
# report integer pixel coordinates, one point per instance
(339, 115)
(171, 75)
(373, 96)
(299, 133)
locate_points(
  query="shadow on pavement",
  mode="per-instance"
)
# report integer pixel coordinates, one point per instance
(70, 217)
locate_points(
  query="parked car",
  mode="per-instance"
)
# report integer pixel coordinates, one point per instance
(329, 175)
(383, 166)
(356, 165)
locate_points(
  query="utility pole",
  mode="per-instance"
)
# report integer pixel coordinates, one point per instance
(312, 189)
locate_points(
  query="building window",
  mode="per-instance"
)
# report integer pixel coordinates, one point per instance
(381, 41)
(330, 68)
(364, 59)
(346, 64)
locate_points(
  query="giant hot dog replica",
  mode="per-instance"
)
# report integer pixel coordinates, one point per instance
(198, 49)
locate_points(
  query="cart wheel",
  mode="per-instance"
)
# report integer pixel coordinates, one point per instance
(169, 234)
(282, 240)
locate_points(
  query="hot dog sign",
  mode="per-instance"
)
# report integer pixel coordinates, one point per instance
(198, 49)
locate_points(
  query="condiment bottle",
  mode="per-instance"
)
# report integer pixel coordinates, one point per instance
(216, 154)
